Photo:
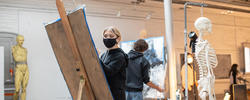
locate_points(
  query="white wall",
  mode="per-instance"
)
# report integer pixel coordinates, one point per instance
(1, 73)
(9, 20)
(46, 80)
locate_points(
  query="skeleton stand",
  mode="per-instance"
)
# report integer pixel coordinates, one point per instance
(185, 39)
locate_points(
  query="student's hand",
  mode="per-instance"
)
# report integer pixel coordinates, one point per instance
(150, 84)
(189, 87)
(160, 89)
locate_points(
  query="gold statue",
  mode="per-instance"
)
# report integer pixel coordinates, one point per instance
(22, 72)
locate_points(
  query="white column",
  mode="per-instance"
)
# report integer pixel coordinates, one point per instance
(170, 49)
(247, 57)
(1, 73)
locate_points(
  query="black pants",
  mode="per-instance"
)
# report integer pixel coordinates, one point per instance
(118, 94)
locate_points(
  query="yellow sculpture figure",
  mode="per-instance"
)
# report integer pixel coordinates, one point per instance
(22, 72)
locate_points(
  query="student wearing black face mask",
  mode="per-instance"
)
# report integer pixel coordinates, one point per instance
(114, 62)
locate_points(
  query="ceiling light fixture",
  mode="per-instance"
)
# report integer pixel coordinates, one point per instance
(118, 14)
(149, 16)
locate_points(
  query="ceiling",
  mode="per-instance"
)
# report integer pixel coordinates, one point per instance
(125, 8)
(233, 2)
(233, 5)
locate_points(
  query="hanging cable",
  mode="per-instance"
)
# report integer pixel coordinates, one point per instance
(202, 7)
(74, 2)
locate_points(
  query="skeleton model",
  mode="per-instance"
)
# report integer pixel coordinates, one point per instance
(206, 58)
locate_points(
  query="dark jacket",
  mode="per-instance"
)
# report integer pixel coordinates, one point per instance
(137, 71)
(114, 63)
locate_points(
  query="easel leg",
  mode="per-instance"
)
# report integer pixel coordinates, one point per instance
(81, 85)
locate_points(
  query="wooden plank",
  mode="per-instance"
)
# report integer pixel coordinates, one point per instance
(89, 56)
(64, 57)
(75, 50)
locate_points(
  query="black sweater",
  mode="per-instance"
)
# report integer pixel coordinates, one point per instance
(137, 71)
(114, 63)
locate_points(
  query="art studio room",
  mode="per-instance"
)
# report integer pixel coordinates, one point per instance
(124, 50)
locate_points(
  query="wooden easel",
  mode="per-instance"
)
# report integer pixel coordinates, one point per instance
(84, 81)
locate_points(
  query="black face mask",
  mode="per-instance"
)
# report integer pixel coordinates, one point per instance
(109, 43)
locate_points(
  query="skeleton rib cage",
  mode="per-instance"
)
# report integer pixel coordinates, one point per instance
(206, 59)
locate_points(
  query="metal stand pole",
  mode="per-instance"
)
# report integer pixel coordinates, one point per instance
(185, 39)
(194, 80)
